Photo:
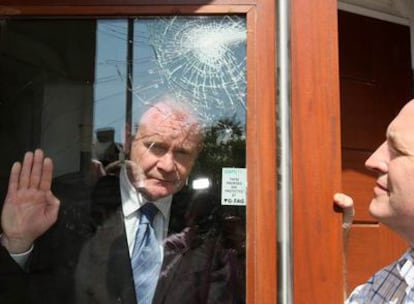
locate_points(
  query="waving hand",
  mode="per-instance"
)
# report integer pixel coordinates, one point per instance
(30, 207)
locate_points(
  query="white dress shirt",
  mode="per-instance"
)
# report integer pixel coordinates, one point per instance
(132, 200)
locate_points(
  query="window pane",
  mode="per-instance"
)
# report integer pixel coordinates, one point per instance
(130, 111)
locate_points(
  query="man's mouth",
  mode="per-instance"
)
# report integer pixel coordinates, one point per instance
(166, 181)
(379, 188)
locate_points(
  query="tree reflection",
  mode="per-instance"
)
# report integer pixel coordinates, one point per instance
(224, 146)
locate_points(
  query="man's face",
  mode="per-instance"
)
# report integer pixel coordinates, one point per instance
(393, 202)
(163, 151)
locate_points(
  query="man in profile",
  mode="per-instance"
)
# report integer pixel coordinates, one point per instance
(392, 205)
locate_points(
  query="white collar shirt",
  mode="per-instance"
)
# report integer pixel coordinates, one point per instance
(132, 200)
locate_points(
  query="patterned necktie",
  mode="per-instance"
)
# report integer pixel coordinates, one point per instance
(146, 256)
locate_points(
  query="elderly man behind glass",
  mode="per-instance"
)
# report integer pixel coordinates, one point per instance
(56, 253)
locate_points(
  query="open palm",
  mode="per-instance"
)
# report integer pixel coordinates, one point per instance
(30, 207)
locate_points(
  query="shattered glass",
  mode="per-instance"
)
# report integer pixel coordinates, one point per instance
(81, 90)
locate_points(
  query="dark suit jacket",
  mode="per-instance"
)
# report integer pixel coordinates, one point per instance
(84, 258)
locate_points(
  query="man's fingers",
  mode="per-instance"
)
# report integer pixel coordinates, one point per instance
(35, 172)
(47, 175)
(14, 177)
(343, 200)
(37, 168)
(24, 179)
(347, 204)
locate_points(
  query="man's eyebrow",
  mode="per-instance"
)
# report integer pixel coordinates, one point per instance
(150, 143)
(391, 138)
(395, 142)
(147, 136)
(183, 149)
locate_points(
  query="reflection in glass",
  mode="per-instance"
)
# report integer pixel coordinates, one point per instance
(130, 110)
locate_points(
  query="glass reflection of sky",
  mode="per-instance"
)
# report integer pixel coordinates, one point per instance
(201, 58)
(110, 79)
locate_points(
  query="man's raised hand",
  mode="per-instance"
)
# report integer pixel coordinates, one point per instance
(30, 208)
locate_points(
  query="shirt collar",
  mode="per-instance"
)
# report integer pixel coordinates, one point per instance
(406, 268)
(132, 200)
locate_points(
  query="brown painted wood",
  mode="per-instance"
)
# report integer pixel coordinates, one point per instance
(120, 2)
(124, 10)
(357, 182)
(261, 134)
(318, 254)
(261, 156)
(375, 79)
(371, 247)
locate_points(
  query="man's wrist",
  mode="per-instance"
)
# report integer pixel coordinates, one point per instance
(20, 258)
(16, 246)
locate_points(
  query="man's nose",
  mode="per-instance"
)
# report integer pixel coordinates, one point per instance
(378, 161)
(166, 162)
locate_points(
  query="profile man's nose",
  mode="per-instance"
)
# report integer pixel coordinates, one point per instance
(378, 159)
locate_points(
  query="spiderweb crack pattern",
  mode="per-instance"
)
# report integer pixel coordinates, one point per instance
(201, 58)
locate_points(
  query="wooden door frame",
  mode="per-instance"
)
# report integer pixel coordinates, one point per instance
(318, 254)
(261, 100)
(316, 160)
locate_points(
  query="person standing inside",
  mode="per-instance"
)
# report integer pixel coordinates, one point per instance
(55, 253)
(392, 205)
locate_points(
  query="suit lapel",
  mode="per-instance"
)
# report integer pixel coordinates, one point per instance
(175, 246)
(119, 279)
(105, 257)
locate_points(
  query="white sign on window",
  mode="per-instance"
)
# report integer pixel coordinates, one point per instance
(233, 188)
